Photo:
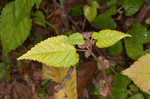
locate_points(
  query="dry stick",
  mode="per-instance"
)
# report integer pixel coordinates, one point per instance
(104, 73)
(55, 2)
(81, 50)
(74, 23)
(64, 16)
(67, 77)
(144, 11)
(147, 1)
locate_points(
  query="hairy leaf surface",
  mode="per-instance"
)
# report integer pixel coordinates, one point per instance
(139, 72)
(53, 52)
(107, 38)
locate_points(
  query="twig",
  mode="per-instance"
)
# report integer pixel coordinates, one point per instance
(81, 50)
(55, 2)
(83, 24)
(74, 23)
(67, 77)
(53, 27)
(147, 1)
(65, 18)
(64, 14)
(103, 72)
(144, 11)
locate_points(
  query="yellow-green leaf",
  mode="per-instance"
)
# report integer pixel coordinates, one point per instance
(90, 13)
(53, 52)
(139, 72)
(75, 39)
(107, 38)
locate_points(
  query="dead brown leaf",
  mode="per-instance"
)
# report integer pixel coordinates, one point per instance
(85, 76)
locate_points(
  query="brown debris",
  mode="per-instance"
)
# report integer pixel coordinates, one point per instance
(85, 76)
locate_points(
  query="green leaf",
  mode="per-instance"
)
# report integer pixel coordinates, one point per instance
(116, 49)
(139, 73)
(134, 45)
(147, 21)
(13, 35)
(76, 11)
(120, 84)
(39, 18)
(53, 52)
(95, 91)
(107, 38)
(147, 51)
(90, 13)
(134, 49)
(147, 96)
(2, 70)
(23, 8)
(137, 96)
(132, 6)
(37, 2)
(133, 88)
(75, 39)
(111, 3)
(119, 93)
(111, 11)
(95, 4)
(140, 33)
(103, 21)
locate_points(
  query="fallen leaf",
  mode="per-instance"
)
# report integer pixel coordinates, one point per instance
(139, 72)
(85, 76)
(57, 74)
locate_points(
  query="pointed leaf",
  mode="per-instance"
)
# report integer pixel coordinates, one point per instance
(104, 21)
(131, 6)
(140, 36)
(13, 35)
(53, 52)
(107, 38)
(90, 13)
(75, 39)
(139, 72)
(23, 8)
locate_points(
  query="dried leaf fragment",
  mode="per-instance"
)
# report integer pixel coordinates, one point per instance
(139, 72)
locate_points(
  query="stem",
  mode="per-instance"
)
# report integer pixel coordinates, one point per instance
(52, 26)
(67, 77)
(80, 50)
(104, 74)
